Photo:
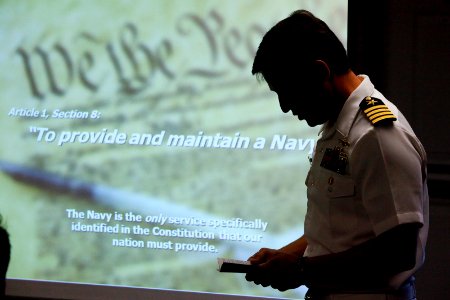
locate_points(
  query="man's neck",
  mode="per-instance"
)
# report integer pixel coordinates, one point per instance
(343, 86)
(346, 83)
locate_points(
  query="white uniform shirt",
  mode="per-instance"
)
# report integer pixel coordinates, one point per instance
(384, 183)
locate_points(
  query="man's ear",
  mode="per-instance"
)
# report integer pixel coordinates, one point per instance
(321, 70)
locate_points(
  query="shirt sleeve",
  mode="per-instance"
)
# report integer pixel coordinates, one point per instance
(388, 165)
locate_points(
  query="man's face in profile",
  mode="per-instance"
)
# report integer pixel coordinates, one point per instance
(306, 97)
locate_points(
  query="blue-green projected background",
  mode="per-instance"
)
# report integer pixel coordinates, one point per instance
(137, 147)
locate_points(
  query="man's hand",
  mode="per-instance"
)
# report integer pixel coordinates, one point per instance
(280, 270)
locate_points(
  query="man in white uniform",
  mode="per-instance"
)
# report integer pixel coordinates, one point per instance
(367, 220)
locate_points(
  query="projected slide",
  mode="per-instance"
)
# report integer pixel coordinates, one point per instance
(137, 147)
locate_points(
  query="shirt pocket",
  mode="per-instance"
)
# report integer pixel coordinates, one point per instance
(343, 209)
(338, 186)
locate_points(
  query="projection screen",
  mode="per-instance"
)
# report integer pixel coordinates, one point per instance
(137, 147)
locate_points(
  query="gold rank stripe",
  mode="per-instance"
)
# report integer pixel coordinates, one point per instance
(381, 114)
(375, 107)
(376, 111)
(384, 117)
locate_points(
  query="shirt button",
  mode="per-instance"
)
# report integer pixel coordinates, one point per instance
(331, 180)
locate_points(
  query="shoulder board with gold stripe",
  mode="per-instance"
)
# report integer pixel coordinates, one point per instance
(376, 111)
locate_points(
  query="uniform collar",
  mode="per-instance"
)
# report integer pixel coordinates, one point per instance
(350, 109)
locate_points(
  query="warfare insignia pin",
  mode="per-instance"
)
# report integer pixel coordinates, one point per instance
(376, 111)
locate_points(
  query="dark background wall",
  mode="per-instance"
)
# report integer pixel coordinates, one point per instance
(404, 46)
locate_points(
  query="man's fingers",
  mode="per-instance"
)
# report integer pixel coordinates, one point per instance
(258, 276)
(259, 256)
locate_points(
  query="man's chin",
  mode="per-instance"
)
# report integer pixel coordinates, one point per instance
(314, 123)
(311, 122)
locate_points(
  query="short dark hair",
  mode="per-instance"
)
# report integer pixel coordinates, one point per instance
(296, 42)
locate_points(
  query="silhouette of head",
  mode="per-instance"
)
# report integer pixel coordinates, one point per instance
(297, 58)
